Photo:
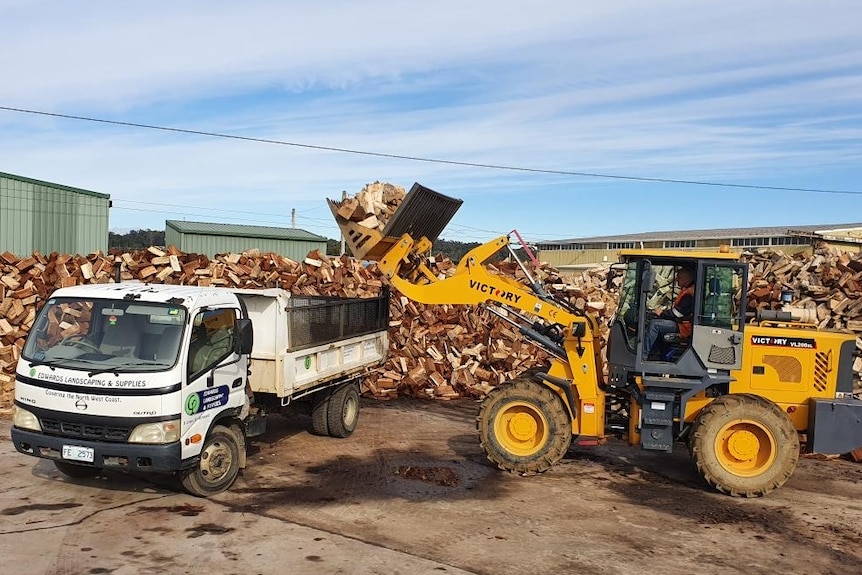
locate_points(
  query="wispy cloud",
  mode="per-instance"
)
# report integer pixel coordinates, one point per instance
(765, 93)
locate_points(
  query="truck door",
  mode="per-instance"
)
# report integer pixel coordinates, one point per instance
(720, 314)
(215, 374)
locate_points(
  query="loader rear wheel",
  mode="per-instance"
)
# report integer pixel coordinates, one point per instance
(523, 427)
(744, 445)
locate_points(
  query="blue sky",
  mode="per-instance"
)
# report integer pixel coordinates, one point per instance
(765, 93)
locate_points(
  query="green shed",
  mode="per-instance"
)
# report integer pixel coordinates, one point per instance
(37, 215)
(211, 239)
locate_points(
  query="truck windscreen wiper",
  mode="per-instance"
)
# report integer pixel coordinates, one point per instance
(115, 369)
(52, 363)
(48, 363)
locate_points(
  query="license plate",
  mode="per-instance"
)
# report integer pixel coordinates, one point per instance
(77, 453)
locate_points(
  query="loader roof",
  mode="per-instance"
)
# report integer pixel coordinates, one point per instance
(689, 255)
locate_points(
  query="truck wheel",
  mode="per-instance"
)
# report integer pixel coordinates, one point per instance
(76, 471)
(218, 466)
(320, 413)
(523, 427)
(744, 445)
(342, 413)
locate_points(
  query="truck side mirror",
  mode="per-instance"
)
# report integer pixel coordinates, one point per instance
(244, 336)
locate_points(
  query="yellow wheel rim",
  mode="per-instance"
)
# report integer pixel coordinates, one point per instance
(521, 429)
(745, 448)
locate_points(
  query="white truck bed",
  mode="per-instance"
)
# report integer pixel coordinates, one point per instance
(302, 343)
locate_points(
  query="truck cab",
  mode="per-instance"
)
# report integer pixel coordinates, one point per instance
(139, 377)
(133, 377)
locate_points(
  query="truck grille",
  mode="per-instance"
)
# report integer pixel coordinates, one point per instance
(84, 430)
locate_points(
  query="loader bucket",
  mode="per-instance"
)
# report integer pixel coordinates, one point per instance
(423, 213)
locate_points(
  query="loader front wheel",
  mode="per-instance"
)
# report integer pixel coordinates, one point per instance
(523, 427)
(744, 445)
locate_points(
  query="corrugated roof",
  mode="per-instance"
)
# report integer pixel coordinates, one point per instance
(235, 230)
(53, 185)
(831, 230)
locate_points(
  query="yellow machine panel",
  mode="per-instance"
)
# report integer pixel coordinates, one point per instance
(790, 366)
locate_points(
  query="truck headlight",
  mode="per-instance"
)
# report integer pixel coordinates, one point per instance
(159, 432)
(25, 420)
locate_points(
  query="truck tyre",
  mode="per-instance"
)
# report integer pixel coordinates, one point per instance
(744, 445)
(219, 463)
(524, 427)
(76, 471)
(342, 413)
(320, 413)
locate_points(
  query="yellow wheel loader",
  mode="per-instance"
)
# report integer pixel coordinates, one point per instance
(746, 394)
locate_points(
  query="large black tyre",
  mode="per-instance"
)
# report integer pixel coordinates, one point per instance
(524, 427)
(219, 463)
(76, 471)
(319, 413)
(744, 445)
(342, 411)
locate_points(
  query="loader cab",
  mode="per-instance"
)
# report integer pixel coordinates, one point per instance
(714, 340)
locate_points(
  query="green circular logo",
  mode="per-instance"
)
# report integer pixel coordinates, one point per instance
(32, 372)
(193, 403)
(307, 362)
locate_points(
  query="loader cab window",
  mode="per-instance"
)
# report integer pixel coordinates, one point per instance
(670, 309)
(212, 340)
(721, 303)
(629, 299)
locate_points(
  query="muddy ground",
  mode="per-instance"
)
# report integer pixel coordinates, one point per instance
(410, 492)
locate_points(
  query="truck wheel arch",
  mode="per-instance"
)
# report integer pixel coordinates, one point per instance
(230, 419)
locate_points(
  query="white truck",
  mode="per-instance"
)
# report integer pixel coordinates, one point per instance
(174, 379)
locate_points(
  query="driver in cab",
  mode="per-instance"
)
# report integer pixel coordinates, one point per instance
(677, 318)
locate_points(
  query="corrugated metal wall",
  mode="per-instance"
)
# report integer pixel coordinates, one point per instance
(39, 216)
(211, 245)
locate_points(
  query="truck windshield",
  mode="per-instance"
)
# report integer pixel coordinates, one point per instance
(106, 335)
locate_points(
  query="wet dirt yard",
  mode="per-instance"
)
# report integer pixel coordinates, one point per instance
(411, 492)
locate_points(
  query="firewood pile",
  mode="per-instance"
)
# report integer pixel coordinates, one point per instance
(436, 351)
(829, 282)
(373, 205)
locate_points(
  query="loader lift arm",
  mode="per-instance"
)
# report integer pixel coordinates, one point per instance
(525, 425)
(403, 261)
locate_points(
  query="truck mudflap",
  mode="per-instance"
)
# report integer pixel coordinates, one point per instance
(834, 425)
(105, 455)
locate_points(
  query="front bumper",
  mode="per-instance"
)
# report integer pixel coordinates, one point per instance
(120, 456)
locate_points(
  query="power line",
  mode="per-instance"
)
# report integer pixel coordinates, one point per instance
(433, 160)
(197, 208)
(175, 213)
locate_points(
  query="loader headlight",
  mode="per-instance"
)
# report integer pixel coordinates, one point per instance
(156, 433)
(24, 419)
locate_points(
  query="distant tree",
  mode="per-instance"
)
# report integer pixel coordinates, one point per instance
(453, 250)
(136, 239)
(333, 247)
